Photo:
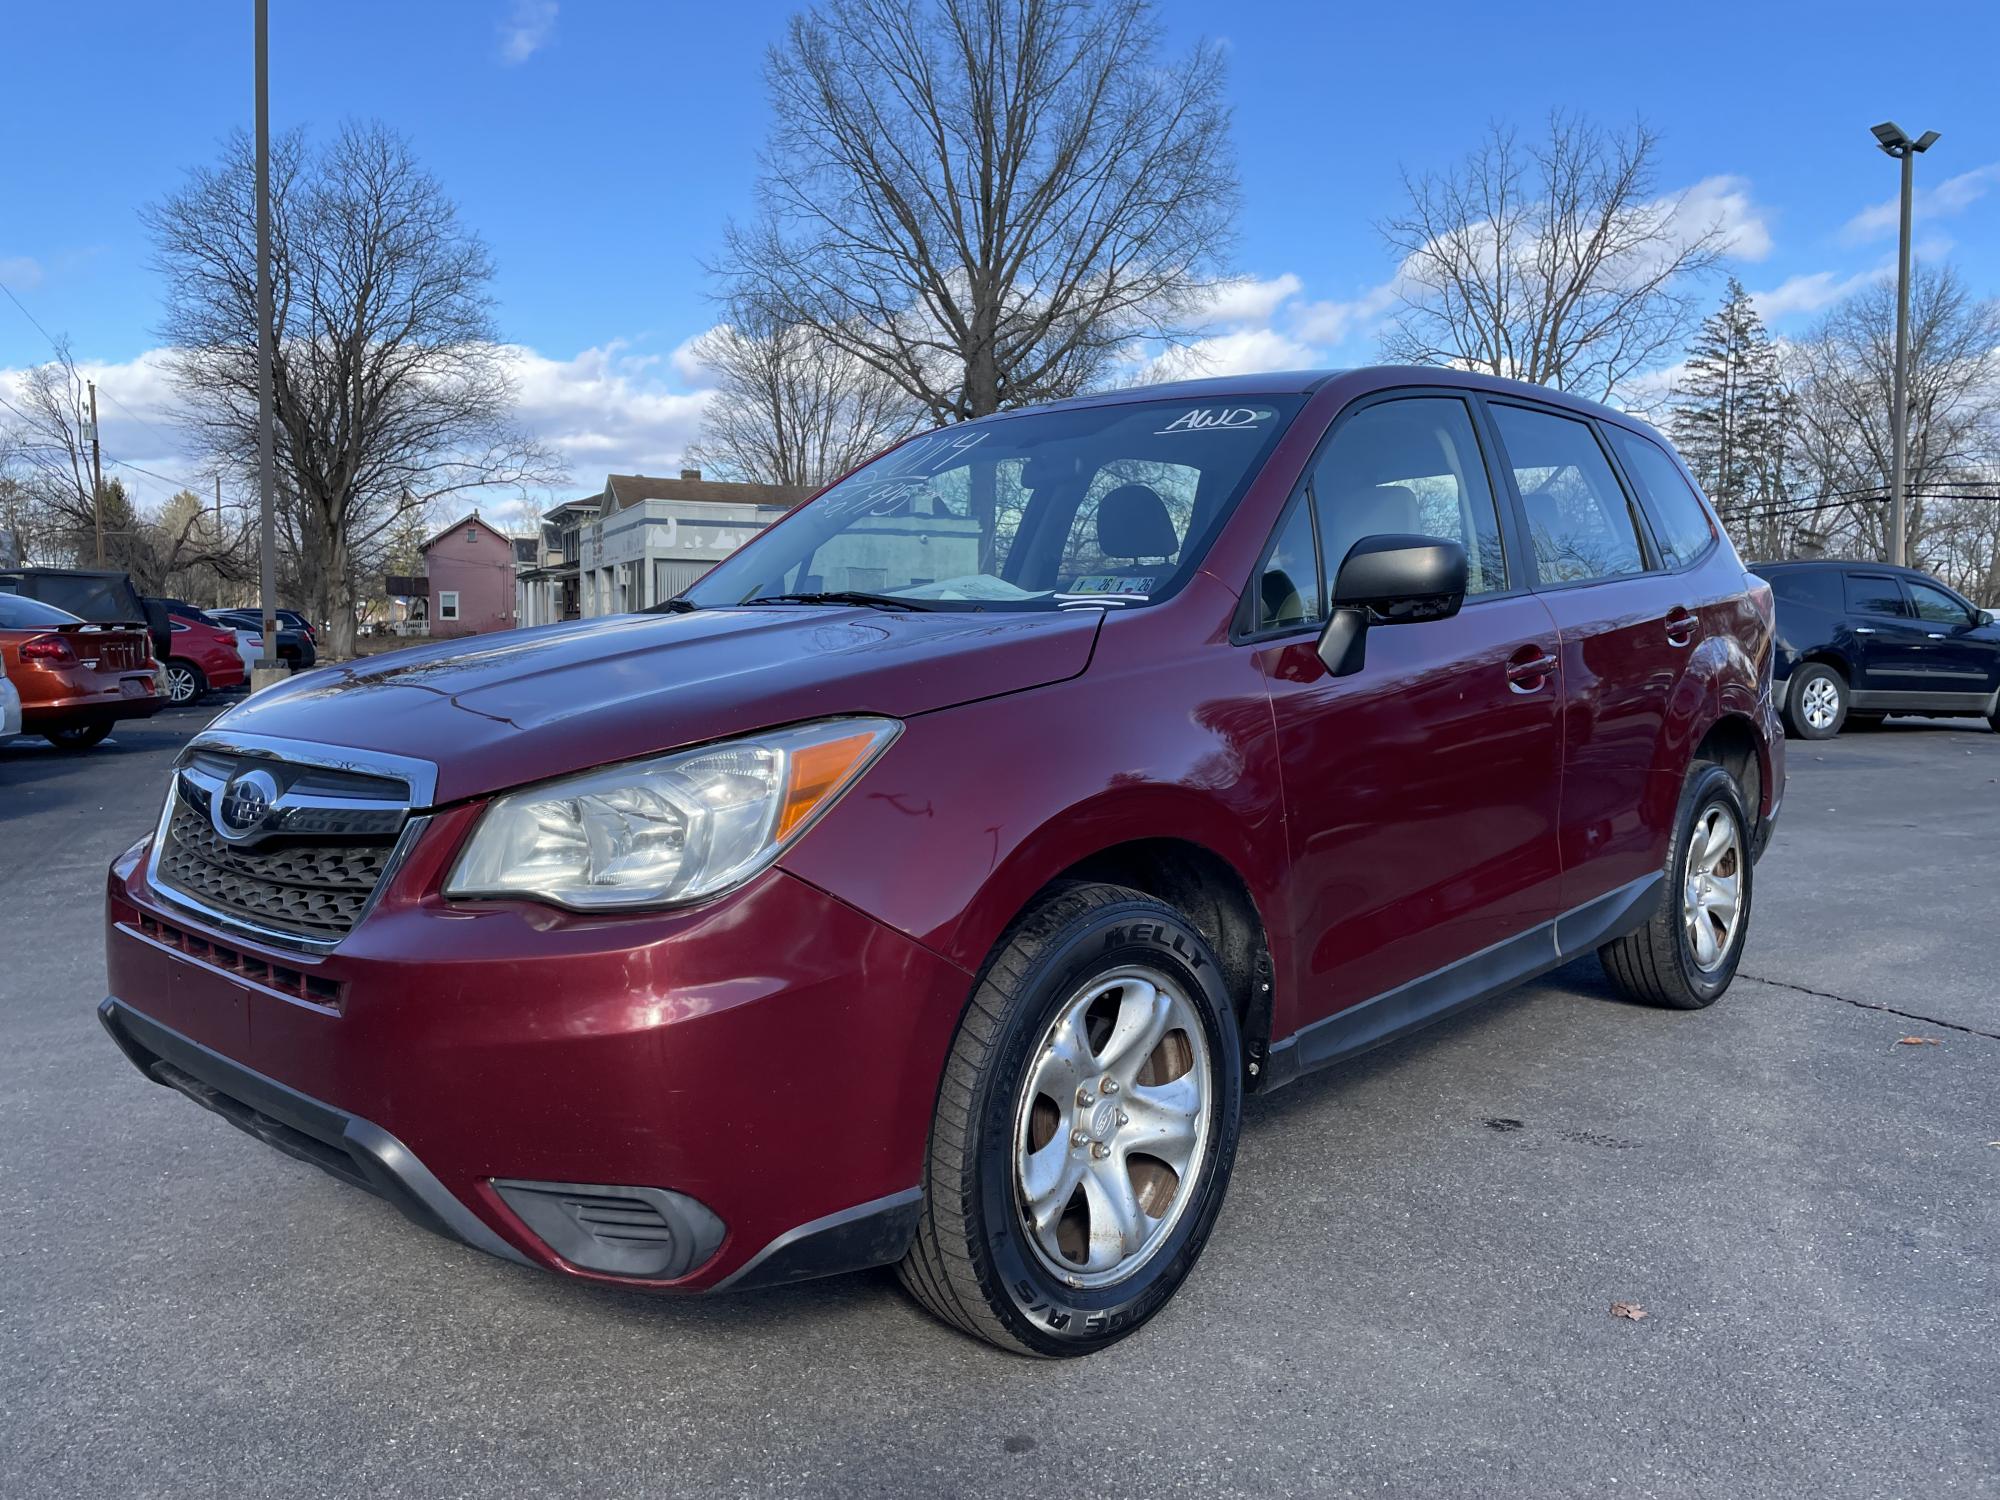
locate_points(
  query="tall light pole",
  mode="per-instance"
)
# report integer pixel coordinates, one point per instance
(268, 668)
(1892, 139)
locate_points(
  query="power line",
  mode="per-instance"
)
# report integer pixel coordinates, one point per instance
(30, 316)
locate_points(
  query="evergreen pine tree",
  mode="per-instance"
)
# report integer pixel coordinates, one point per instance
(1731, 418)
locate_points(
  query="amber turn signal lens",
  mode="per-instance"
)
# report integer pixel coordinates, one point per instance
(816, 772)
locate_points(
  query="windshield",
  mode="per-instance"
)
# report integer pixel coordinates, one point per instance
(1097, 505)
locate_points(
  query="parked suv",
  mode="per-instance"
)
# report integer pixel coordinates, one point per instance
(1860, 641)
(930, 882)
(297, 647)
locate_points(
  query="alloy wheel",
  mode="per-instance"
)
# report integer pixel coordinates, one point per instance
(1821, 703)
(1111, 1127)
(1712, 883)
(180, 685)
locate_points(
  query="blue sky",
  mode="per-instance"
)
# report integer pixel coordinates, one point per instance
(599, 146)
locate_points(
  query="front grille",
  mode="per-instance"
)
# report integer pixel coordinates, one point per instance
(312, 890)
(313, 842)
(329, 994)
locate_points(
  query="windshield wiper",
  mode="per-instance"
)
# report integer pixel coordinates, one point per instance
(841, 596)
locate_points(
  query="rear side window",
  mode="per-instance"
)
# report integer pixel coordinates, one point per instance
(1288, 591)
(1680, 520)
(1818, 590)
(1411, 466)
(1935, 604)
(17, 613)
(1579, 520)
(1873, 594)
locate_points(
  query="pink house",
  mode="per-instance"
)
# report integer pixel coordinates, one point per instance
(470, 566)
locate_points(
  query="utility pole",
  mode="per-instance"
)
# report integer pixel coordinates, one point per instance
(96, 475)
(1893, 140)
(268, 669)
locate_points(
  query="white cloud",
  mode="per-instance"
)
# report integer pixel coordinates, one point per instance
(21, 272)
(1724, 203)
(1335, 322)
(1246, 351)
(1952, 196)
(1811, 292)
(526, 30)
(1245, 299)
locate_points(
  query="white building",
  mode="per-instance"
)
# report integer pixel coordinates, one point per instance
(650, 538)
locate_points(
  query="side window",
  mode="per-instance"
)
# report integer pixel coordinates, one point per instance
(1679, 518)
(1288, 591)
(1935, 604)
(1873, 594)
(1410, 466)
(1579, 520)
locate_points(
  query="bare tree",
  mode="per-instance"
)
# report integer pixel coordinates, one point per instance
(1552, 262)
(391, 391)
(790, 408)
(1843, 376)
(986, 200)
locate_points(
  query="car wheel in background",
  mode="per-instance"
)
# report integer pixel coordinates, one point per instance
(1085, 1127)
(1686, 955)
(185, 682)
(1816, 707)
(77, 736)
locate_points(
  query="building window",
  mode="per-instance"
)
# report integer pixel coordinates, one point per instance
(472, 533)
(448, 604)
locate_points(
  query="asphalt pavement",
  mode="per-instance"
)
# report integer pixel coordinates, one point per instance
(1408, 1292)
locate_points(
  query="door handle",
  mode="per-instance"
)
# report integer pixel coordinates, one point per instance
(1529, 668)
(1681, 625)
(1937, 635)
(1864, 630)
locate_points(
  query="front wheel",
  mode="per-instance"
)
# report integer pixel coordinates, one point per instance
(185, 682)
(1686, 955)
(1085, 1127)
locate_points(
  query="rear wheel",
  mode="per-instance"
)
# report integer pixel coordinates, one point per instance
(1085, 1128)
(1817, 705)
(76, 736)
(1686, 955)
(185, 682)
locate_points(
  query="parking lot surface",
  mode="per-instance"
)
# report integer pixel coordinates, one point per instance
(1408, 1293)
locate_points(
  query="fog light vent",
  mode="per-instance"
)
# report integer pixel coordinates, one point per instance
(622, 1231)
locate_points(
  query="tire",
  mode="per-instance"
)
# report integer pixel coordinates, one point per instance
(77, 736)
(976, 1262)
(186, 683)
(1660, 963)
(1816, 706)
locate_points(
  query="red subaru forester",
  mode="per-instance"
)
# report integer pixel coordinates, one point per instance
(931, 881)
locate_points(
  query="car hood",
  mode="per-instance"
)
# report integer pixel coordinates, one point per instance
(497, 711)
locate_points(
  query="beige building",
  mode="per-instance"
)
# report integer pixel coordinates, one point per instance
(651, 538)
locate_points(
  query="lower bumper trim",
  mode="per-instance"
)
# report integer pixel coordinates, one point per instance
(346, 1146)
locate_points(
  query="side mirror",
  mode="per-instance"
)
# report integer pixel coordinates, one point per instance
(1389, 580)
(1986, 617)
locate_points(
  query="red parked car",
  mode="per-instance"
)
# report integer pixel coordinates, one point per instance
(204, 656)
(931, 881)
(75, 679)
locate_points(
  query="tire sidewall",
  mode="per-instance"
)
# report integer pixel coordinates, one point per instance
(1040, 1309)
(1708, 785)
(1800, 683)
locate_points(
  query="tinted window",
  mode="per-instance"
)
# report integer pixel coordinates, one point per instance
(105, 600)
(1579, 520)
(1288, 591)
(1873, 594)
(1680, 520)
(1410, 466)
(1023, 512)
(1819, 588)
(17, 613)
(1933, 603)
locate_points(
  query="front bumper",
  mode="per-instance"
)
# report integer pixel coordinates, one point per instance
(771, 1058)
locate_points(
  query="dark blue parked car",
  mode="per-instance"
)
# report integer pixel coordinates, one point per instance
(1860, 641)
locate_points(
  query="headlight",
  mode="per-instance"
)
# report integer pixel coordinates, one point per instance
(669, 830)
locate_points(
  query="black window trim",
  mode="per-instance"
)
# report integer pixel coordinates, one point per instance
(1241, 631)
(1649, 551)
(1632, 485)
(1909, 598)
(1882, 575)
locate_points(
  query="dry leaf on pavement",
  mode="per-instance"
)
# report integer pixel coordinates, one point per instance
(1630, 1310)
(1918, 1041)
